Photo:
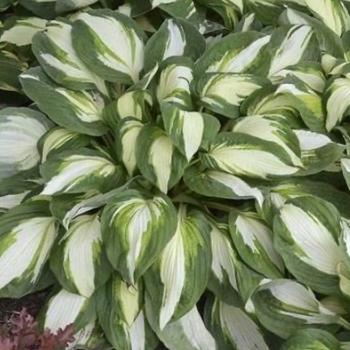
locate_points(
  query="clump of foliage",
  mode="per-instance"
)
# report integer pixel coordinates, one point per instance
(180, 172)
(21, 333)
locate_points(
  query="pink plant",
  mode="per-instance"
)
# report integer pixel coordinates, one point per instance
(21, 333)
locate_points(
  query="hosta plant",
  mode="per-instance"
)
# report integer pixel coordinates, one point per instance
(180, 171)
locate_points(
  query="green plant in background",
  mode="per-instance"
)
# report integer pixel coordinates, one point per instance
(181, 174)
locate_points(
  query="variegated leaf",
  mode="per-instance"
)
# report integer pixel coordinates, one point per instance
(22, 30)
(284, 306)
(290, 46)
(15, 188)
(236, 53)
(10, 69)
(306, 232)
(175, 37)
(64, 308)
(158, 159)
(134, 104)
(223, 279)
(336, 97)
(79, 171)
(20, 131)
(188, 130)
(128, 132)
(253, 240)
(60, 139)
(306, 101)
(178, 278)
(328, 40)
(223, 93)
(310, 73)
(121, 316)
(174, 82)
(188, 332)
(332, 13)
(219, 184)
(271, 129)
(246, 155)
(79, 111)
(54, 50)
(136, 227)
(27, 233)
(311, 339)
(318, 151)
(78, 259)
(110, 44)
(302, 187)
(232, 327)
(186, 9)
(266, 102)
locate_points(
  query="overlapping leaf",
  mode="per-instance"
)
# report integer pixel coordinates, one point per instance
(306, 231)
(20, 131)
(96, 36)
(54, 50)
(27, 233)
(79, 111)
(81, 254)
(180, 275)
(158, 159)
(74, 172)
(136, 227)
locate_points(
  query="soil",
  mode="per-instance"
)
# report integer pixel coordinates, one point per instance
(32, 302)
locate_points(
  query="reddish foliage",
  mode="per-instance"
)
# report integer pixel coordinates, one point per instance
(22, 334)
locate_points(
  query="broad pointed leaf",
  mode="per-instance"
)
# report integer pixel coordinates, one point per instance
(285, 306)
(178, 278)
(223, 279)
(79, 111)
(54, 50)
(174, 82)
(332, 13)
(291, 45)
(64, 308)
(110, 44)
(306, 235)
(306, 101)
(158, 159)
(245, 155)
(236, 53)
(60, 139)
(219, 184)
(78, 259)
(22, 30)
(20, 131)
(188, 130)
(232, 327)
(188, 332)
(74, 172)
(128, 133)
(175, 37)
(27, 233)
(136, 227)
(223, 93)
(253, 240)
(271, 129)
(121, 316)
